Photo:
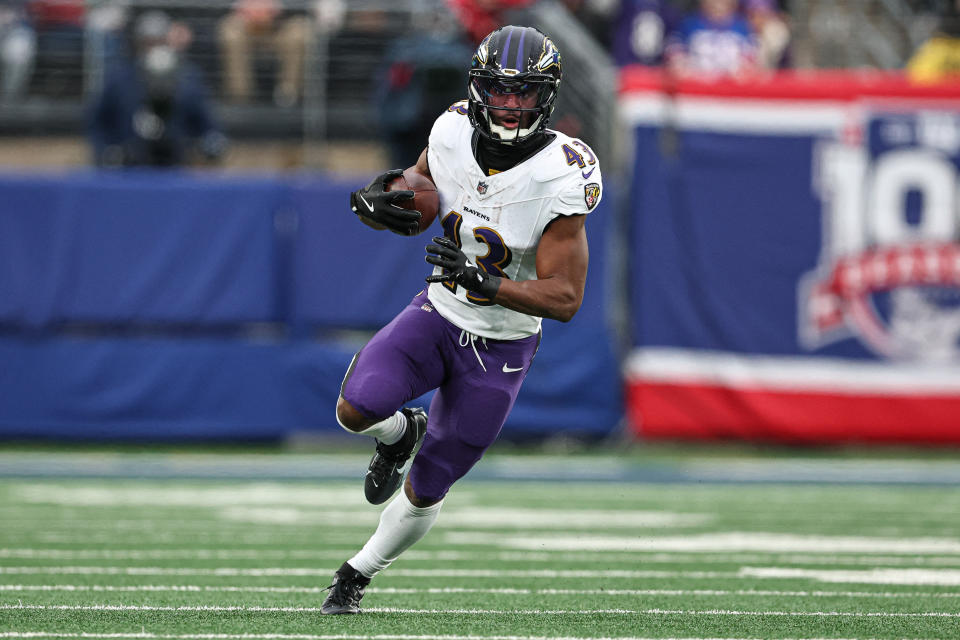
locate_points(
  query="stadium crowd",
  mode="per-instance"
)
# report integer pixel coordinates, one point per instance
(258, 52)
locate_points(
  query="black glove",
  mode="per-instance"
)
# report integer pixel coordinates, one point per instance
(445, 253)
(376, 205)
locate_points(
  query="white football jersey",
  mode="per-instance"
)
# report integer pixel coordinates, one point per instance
(498, 220)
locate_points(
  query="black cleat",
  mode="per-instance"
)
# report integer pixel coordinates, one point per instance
(345, 592)
(383, 475)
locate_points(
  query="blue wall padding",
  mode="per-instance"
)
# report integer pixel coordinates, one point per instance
(345, 273)
(167, 389)
(137, 248)
(126, 301)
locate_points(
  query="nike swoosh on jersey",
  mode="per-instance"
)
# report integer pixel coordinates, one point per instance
(585, 176)
(507, 369)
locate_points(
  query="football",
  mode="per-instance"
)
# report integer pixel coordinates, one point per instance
(425, 198)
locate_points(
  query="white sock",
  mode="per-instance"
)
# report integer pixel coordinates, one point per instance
(388, 431)
(401, 525)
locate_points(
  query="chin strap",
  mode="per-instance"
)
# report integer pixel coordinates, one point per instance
(518, 135)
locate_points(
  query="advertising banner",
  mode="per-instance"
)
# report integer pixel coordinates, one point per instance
(795, 267)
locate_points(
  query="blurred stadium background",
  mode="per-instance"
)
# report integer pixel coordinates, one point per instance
(775, 259)
(748, 431)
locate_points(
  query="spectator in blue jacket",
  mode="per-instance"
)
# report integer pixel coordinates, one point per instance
(716, 40)
(153, 110)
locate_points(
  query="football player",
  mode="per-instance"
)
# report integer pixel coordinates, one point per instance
(513, 198)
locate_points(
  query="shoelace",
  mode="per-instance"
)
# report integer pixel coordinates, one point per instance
(387, 455)
(345, 591)
(469, 339)
(385, 460)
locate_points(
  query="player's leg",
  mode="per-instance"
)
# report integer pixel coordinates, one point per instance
(468, 413)
(401, 362)
(402, 523)
(468, 416)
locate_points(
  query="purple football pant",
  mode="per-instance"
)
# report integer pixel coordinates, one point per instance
(477, 382)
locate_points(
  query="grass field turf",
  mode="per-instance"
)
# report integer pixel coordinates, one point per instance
(187, 558)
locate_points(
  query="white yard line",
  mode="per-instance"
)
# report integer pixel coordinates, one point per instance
(293, 571)
(207, 521)
(944, 577)
(245, 609)
(668, 612)
(265, 493)
(639, 556)
(482, 517)
(736, 541)
(280, 504)
(174, 537)
(340, 636)
(192, 588)
(293, 518)
(169, 554)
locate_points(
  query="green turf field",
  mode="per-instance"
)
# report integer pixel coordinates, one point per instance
(187, 557)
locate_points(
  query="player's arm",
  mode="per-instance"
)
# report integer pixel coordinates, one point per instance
(562, 258)
(557, 293)
(422, 167)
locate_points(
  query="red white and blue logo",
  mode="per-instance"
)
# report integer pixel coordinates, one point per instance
(889, 268)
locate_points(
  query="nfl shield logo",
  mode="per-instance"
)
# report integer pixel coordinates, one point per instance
(482, 187)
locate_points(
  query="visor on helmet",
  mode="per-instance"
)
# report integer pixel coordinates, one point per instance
(532, 97)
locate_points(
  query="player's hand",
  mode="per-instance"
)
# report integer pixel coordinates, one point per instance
(377, 207)
(446, 254)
